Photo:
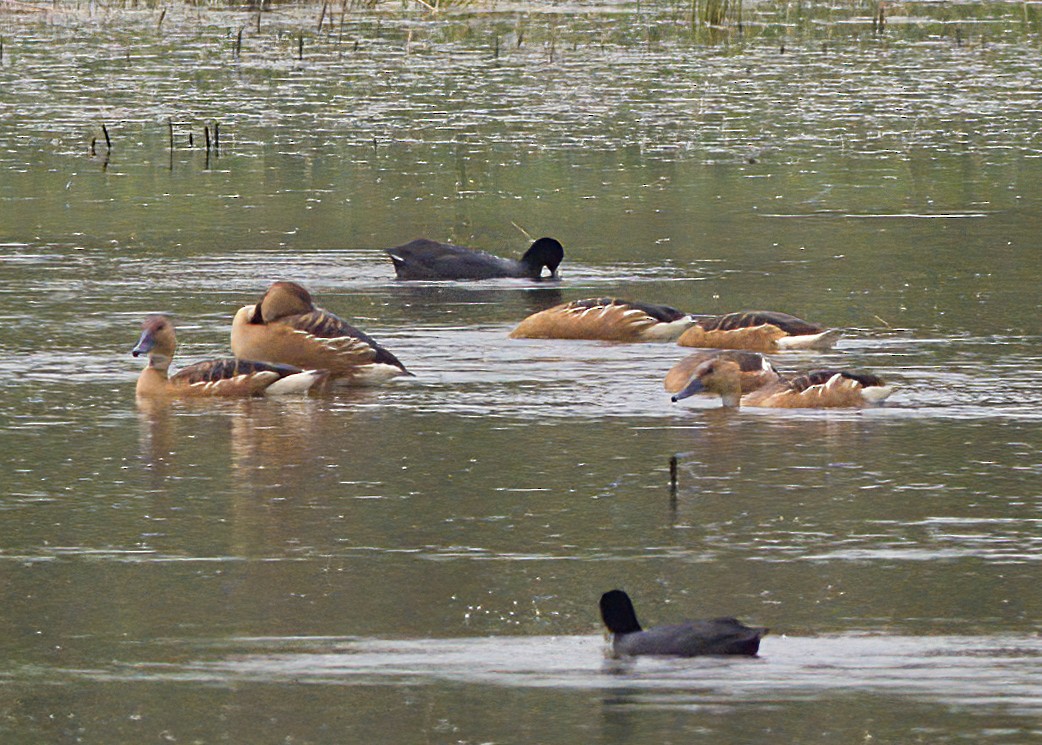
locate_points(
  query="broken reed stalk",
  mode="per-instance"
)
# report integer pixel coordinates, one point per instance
(879, 19)
(108, 140)
(238, 43)
(340, 31)
(300, 46)
(216, 137)
(322, 15)
(162, 15)
(206, 136)
(673, 483)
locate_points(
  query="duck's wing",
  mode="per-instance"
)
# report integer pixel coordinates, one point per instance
(605, 319)
(790, 325)
(760, 330)
(228, 377)
(822, 389)
(322, 340)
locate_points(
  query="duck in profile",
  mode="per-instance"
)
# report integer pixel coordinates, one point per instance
(717, 636)
(427, 259)
(224, 377)
(818, 389)
(759, 331)
(754, 370)
(605, 319)
(286, 327)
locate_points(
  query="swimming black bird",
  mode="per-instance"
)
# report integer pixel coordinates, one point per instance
(427, 259)
(716, 636)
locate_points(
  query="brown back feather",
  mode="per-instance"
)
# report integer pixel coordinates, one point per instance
(791, 325)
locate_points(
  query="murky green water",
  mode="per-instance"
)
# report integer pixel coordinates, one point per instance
(421, 562)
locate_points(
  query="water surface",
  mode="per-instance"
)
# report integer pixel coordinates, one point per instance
(421, 562)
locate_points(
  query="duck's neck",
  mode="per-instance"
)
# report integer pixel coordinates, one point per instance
(153, 381)
(730, 389)
(731, 399)
(159, 363)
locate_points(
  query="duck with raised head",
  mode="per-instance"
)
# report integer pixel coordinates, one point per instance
(605, 319)
(286, 327)
(818, 389)
(427, 259)
(759, 331)
(716, 636)
(754, 370)
(224, 377)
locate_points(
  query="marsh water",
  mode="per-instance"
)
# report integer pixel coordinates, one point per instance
(421, 562)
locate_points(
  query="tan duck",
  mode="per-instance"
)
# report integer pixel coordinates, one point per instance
(225, 377)
(286, 327)
(759, 331)
(818, 389)
(605, 319)
(754, 370)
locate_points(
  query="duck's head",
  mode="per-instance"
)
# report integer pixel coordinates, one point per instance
(157, 341)
(719, 375)
(546, 252)
(280, 300)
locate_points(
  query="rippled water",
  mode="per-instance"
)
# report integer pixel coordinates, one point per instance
(421, 562)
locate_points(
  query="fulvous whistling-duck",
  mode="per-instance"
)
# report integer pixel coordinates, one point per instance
(759, 331)
(224, 377)
(286, 327)
(605, 319)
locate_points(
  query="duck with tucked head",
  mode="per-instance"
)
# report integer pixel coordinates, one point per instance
(225, 377)
(427, 259)
(286, 327)
(818, 389)
(716, 636)
(759, 331)
(605, 319)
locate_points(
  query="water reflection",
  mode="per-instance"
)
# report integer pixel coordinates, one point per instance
(959, 672)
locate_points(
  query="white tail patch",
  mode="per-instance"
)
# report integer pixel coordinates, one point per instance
(373, 373)
(296, 384)
(824, 340)
(876, 394)
(662, 331)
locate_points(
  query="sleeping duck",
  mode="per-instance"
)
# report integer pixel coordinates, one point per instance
(754, 370)
(717, 636)
(605, 319)
(427, 259)
(818, 389)
(225, 377)
(286, 327)
(759, 331)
